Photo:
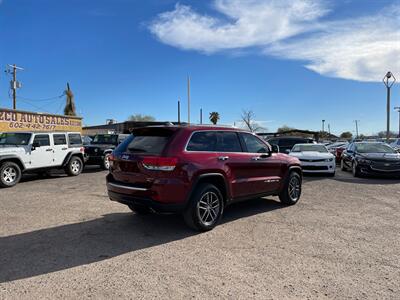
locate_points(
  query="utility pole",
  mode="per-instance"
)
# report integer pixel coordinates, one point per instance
(323, 126)
(397, 108)
(329, 129)
(179, 112)
(388, 81)
(14, 83)
(188, 95)
(356, 121)
(201, 116)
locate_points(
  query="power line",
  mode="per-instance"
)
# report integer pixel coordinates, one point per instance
(43, 99)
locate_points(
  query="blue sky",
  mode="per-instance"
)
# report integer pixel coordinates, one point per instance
(291, 62)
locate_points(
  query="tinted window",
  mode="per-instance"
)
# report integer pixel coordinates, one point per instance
(74, 139)
(148, 141)
(253, 144)
(202, 141)
(14, 138)
(42, 140)
(59, 139)
(228, 142)
(273, 142)
(111, 139)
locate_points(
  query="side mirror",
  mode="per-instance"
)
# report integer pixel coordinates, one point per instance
(275, 148)
(35, 145)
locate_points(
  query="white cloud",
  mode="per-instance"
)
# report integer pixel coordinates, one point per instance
(362, 48)
(247, 24)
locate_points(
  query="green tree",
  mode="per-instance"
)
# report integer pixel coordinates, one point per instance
(70, 109)
(214, 117)
(141, 118)
(346, 135)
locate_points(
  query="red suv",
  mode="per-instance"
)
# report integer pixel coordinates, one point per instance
(198, 171)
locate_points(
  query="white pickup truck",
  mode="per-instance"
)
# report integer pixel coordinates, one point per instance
(38, 152)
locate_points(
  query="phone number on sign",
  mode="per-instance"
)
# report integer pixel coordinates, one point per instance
(28, 126)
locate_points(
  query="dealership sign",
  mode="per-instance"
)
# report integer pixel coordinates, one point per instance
(14, 120)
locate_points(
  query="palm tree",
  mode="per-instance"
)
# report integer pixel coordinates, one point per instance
(69, 109)
(214, 117)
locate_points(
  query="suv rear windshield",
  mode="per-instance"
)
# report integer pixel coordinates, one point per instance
(111, 139)
(146, 141)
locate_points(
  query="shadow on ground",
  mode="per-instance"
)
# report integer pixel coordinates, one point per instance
(57, 174)
(58, 248)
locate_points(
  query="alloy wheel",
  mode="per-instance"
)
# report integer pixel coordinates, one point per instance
(75, 167)
(208, 208)
(294, 188)
(10, 174)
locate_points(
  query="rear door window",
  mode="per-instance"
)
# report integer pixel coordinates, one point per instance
(202, 141)
(228, 142)
(59, 139)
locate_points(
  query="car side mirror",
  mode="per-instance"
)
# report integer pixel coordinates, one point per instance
(275, 148)
(35, 145)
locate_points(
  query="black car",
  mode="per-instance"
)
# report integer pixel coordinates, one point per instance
(371, 158)
(101, 147)
(286, 144)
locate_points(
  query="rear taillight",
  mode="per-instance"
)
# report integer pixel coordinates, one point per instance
(111, 159)
(82, 150)
(155, 163)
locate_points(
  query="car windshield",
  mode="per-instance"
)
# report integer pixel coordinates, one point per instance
(14, 138)
(374, 148)
(310, 148)
(105, 139)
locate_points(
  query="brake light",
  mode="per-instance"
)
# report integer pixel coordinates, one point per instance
(82, 150)
(155, 163)
(111, 159)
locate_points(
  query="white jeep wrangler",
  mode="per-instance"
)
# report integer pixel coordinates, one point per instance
(39, 152)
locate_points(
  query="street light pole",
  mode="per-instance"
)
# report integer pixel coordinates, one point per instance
(397, 108)
(388, 81)
(323, 126)
(356, 121)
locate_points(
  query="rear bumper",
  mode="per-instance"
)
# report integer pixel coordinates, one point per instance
(156, 206)
(161, 198)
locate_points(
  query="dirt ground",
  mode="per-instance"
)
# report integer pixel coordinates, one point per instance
(61, 237)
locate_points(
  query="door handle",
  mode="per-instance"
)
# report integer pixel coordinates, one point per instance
(64, 148)
(223, 158)
(48, 150)
(256, 158)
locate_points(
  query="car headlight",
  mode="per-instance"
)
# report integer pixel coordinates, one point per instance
(363, 161)
(329, 159)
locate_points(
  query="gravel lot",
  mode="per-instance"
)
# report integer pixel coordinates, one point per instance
(62, 238)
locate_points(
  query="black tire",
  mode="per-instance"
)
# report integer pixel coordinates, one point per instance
(74, 166)
(355, 170)
(205, 208)
(331, 174)
(289, 196)
(342, 166)
(139, 209)
(10, 174)
(106, 164)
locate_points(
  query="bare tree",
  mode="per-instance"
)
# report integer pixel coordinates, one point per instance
(248, 118)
